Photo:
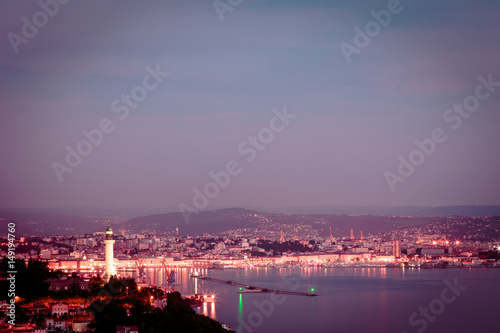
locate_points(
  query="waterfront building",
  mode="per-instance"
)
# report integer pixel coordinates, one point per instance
(396, 248)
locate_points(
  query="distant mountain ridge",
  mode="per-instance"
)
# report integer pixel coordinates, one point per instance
(459, 210)
(128, 213)
(213, 221)
(41, 224)
(223, 220)
(370, 219)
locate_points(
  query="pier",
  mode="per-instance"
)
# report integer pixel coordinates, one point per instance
(254, 289)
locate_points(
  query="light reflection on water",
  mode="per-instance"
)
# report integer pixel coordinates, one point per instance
(207, 309)
(363, 299)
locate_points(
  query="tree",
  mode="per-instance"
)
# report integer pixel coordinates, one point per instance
(96, 283)
(30, 279)
(178, 316)
(111, 316)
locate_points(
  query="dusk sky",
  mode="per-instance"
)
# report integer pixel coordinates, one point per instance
(330, 124)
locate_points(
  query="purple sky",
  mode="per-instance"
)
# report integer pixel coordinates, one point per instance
(352, 120)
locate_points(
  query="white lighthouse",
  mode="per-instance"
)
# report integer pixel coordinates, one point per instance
(108, 242)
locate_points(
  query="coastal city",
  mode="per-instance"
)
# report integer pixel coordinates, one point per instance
(427, 245)
(80, 259)
(249, 166)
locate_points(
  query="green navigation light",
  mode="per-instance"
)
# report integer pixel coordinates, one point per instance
(241, 288)
(312, 290)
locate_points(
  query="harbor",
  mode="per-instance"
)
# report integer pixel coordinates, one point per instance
(245, 288)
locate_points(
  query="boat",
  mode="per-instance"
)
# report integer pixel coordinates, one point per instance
(203, 298)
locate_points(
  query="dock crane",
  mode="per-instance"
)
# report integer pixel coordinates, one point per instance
(140, 268)
(170, 276)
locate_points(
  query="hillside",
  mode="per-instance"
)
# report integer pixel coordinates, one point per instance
(218, 221)
(40, 224)
(32, 222)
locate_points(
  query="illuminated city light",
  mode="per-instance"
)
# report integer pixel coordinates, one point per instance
(433, 253)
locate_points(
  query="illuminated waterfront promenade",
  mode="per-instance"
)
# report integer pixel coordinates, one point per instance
(324, 260)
